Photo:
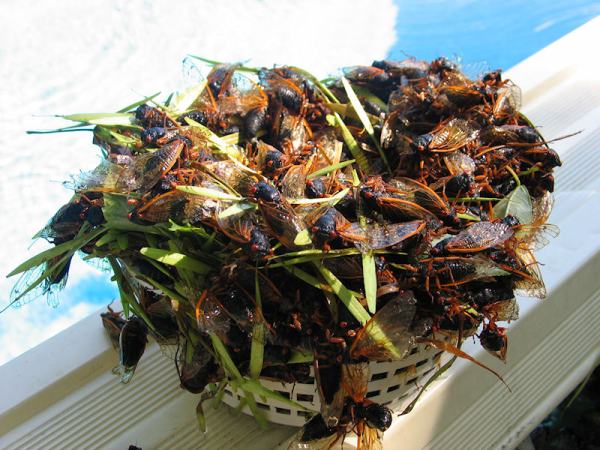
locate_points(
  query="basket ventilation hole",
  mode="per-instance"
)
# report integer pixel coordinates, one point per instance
(304, 413)
(400, 370)
(228, 393)
(305, 397)
(412, 380)
(393, 388)
(379, 376)
(427, 372)
(262, 405)
(283, 411)
(414, 350)
(420, 363)
(285, 394)
(373, 393)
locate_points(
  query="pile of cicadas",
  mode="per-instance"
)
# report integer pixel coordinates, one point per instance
(264, 223)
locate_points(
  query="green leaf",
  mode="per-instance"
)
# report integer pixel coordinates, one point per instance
(100, 118)
(183, 100)
(352, 145)
(345, 295)
(518, 204)
(175, 259)
(257, 347)
(208, 193)
(370, 280)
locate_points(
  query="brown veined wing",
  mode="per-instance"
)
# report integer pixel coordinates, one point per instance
(162, 207)
(451, 136)
(502, 311)
(478, 237)
(282, 221)
(422, 195)
(459, 162)
(293, 183)
(532, 284)
(146, 169)
(388, 335)
(508, 101)
(536, 235)
(383, 236)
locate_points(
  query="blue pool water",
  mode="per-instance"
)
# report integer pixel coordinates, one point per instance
(499, 34)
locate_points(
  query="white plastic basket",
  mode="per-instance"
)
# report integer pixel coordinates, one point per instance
(392, 384)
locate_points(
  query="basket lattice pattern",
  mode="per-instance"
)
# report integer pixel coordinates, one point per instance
(392, 384)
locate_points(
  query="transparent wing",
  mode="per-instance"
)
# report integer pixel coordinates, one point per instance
(370, 439)
(459, 162)
(421, 194)
(388, 334)
(282, 221)
(147, 169)
(479, 236)
(505, 310)
(533, 284)
(452, 136)
(355, 379)
(382, 236)
(508, 100)
(294, 182)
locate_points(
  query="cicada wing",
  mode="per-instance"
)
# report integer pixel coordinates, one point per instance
(502, 311)
(508, 100)
(452, 136)
(459, 162)
(294, 182)
(331, 394)
(355, 379)
(237, 227)
(383, 236)
(147, 169)
(388, 335)
(479, 236)
(421, 195)
(163, 207)
(536, 237)
(282, 221)
(532, 285)
(370, 439)
(394, 206)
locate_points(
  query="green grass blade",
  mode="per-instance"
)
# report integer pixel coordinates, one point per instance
(364, 119)
(182, 101)
(352, 145)
(345, 295)
(208, 193)
(329, 169)
(370, 280)
(46, 255)
(138, 103)
(100, 118)
(254, 387)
